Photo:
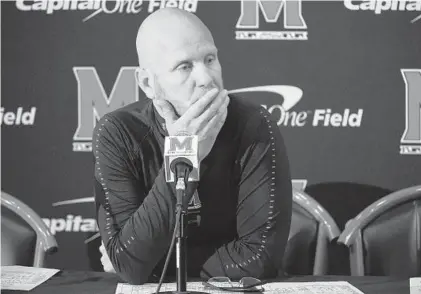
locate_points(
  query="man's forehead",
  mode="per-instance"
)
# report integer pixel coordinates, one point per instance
(187, 51)
(192, 48)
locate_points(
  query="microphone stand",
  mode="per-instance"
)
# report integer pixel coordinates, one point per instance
(181, 245)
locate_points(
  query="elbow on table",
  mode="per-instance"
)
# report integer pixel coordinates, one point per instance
(262, 269)
(132, 273)
(266, 270)
(130, 269)
(133, 278)
(267, 267)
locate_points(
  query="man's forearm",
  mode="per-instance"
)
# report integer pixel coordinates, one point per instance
(264, 207)
(242, 257)
(137, 246)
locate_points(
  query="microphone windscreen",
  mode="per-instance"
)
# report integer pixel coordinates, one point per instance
(181, 147)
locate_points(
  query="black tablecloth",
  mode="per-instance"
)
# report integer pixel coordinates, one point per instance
(74, 282)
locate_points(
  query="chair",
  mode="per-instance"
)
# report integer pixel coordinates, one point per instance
(20, 224)
(343, 200)
(384, 239)
(312, 229)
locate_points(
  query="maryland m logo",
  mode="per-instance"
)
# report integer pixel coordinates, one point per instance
(412, 133)
(293, 21)
(93, 102)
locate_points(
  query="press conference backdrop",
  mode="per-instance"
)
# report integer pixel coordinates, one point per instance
(342, 78)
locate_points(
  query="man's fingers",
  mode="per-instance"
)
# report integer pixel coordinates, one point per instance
(165, 109)
(222, 119)
(217, 106)
(199, 106)
(214, 125)
(106, 265)
(105, 260)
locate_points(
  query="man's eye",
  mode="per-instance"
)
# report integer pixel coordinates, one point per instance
(184, 67)
(210, 59)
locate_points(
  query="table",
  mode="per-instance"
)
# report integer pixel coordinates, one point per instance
(78, 282)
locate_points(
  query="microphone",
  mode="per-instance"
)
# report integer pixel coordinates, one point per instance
(181, 157)
(181, 167)
(181, 162)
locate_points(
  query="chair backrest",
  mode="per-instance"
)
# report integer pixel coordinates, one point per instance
(312, 228)
(344, 200)
(45, 241)
(384, 238)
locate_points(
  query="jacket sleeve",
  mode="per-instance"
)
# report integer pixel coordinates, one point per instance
(136, 225)
(263, 209)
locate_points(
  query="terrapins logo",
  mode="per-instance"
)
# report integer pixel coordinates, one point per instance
(249, 26)
(93, 102)
(411, 137)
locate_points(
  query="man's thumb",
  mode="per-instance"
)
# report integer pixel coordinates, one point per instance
(166, 110)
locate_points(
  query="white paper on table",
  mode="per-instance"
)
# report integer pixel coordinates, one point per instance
(340, 287)
(151, 288)
(25, 278)
(415, 285)
(333, 287)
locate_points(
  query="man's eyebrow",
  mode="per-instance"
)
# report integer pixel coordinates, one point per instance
(213, 50)
(209, 50)
(181, 61)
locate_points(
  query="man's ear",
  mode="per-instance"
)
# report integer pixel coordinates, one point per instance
(145, 81)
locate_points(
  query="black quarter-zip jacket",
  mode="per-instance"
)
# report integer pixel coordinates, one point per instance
(243, 222)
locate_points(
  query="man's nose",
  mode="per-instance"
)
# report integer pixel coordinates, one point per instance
(203, 76)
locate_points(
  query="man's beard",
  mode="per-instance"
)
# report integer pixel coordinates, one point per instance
(179, 107)
(161, 94)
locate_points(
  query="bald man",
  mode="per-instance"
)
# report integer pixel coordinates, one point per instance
(240, 219)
